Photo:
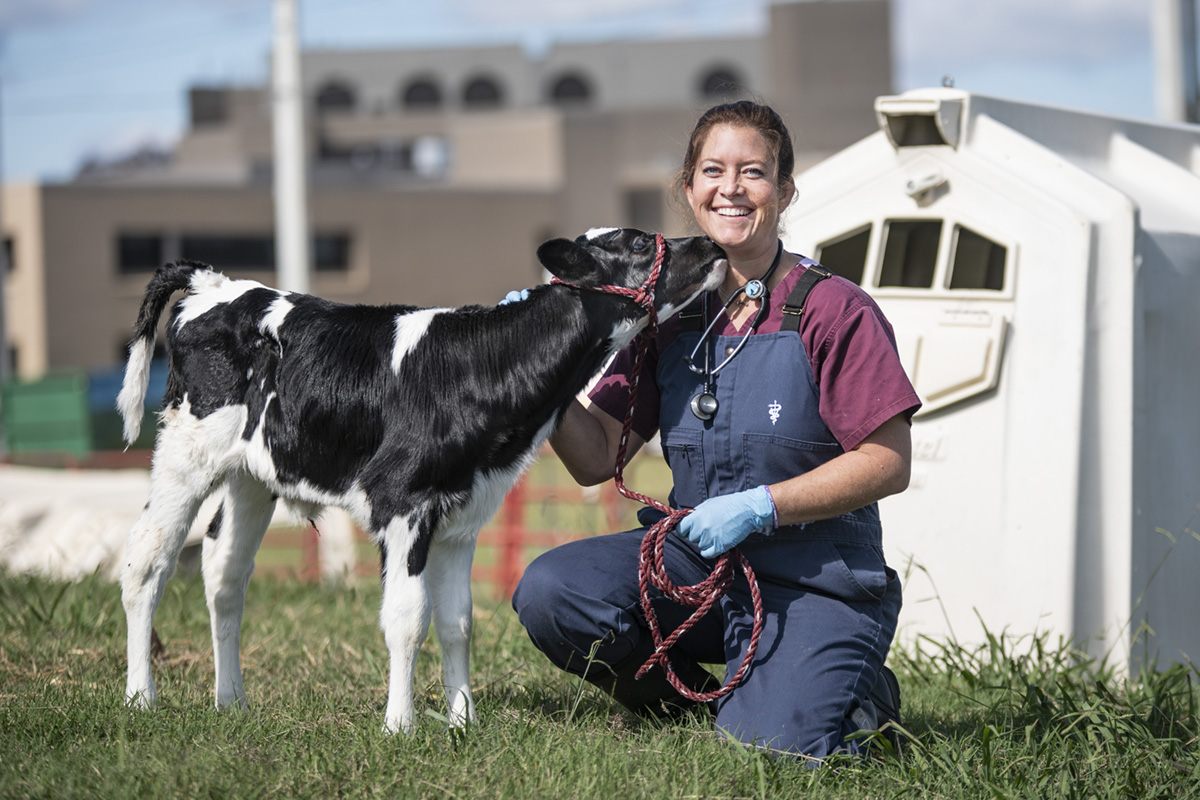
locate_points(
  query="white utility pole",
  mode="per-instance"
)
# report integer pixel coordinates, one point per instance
(335, 547)
(287, 114)
(6, 367)
(1177, 76)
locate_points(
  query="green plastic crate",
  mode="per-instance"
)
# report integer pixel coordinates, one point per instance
(47, 415)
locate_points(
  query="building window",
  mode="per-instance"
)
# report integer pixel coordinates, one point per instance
(230, 251)
(336, 96)
(482, 92)
(139, 252)
(208, 106)
(643, 209)
(846, 255)
(421, 95)
(721, 83)
(388, 155)
(910, 253)
(10, 263)
(571, 89)
(978, 262)
(331, 252)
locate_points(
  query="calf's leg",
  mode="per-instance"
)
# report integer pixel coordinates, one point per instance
(404, 618)
(449, 579)
(151, 553)
(229, 548)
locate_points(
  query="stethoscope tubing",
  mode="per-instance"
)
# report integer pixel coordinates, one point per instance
(755, 290)
(704, 405)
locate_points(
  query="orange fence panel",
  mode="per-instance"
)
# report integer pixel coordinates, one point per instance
(545, 509)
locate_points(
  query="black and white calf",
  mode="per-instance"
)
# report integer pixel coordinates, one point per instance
(416, 421)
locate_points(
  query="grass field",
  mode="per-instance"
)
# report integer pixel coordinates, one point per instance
(1013, 719)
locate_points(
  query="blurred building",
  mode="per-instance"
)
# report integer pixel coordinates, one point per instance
(434, 173)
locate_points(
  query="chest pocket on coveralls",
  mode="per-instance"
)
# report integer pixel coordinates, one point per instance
(771, 458)
(685, 456)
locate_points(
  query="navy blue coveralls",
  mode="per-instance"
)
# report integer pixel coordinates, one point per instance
(830, 601)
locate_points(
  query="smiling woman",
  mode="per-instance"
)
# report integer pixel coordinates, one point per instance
(780, 450)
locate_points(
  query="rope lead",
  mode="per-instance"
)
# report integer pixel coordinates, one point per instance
(652, 569)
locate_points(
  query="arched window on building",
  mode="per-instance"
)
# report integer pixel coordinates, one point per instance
(721, 84)
(421, 94)
(571, 89)
(482, 92)
(336, 96)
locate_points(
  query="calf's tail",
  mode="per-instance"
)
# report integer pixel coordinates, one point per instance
(169, 279)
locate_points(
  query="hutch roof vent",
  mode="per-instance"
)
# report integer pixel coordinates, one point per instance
(932, 119)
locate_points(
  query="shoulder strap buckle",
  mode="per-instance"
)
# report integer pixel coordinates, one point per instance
(793, 308)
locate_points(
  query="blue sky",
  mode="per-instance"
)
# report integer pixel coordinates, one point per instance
(99, 77)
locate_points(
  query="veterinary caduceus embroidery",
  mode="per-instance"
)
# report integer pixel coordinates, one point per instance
(773, 411)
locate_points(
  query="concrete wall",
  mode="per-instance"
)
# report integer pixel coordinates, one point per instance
(25, 292)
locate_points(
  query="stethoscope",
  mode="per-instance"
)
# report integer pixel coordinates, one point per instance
(704, 405)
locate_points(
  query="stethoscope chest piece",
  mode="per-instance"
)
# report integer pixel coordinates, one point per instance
(704, 406)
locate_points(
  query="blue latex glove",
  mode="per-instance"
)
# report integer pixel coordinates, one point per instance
(515, 296)
(721, 523)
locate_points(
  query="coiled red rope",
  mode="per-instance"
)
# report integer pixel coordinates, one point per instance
(652, 570)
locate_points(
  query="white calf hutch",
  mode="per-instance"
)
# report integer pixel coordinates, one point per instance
(1041, 268)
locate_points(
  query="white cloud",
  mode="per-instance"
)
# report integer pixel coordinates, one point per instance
(15, 13)
(623, 18)
(933, 32)
(30, 14)
(558, 12)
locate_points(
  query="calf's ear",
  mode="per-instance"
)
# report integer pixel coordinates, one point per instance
(569, 261)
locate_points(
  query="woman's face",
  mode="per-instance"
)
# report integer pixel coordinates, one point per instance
(733, 192)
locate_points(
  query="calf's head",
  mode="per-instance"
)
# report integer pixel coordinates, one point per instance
(625, 257)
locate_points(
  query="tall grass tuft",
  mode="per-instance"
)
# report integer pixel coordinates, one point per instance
(1014, 718)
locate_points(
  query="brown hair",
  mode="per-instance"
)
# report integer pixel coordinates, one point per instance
(745, 114)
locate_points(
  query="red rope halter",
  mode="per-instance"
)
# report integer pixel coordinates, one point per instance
(651, 566)
(643, 295)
